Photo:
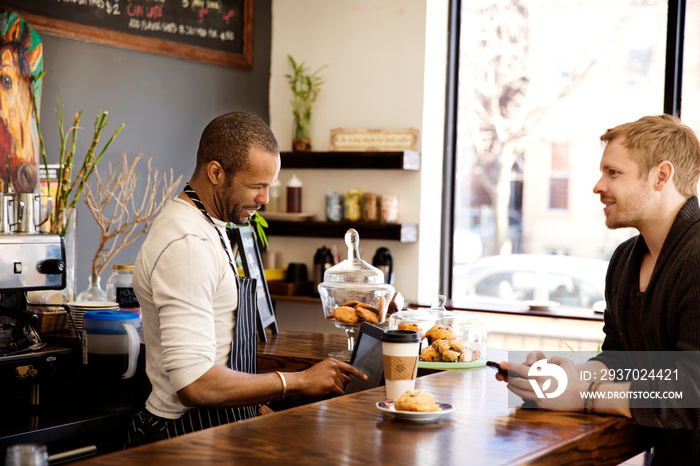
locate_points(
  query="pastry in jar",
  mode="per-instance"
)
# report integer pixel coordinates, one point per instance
(470, 354)
(429, 353)
(414, 327)
(369, 307)
(440, 332)
(346, 315)
(451, 356)
(366, 314)
(441, 345)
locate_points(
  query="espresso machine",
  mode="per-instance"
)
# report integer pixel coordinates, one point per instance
(29, 260)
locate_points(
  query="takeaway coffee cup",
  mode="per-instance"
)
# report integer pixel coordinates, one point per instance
(400, 349)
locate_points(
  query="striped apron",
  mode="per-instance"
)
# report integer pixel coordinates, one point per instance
(146, 427)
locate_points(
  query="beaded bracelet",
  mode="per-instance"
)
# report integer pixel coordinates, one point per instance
(589, 402)
(284, 384)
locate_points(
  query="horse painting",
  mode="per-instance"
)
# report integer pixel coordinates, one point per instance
(20, 82)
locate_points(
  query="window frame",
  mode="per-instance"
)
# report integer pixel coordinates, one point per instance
(672, 105)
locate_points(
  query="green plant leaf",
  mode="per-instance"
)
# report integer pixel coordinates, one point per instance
(260, 225)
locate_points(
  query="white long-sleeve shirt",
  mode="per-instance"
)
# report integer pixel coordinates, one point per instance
(187, 292)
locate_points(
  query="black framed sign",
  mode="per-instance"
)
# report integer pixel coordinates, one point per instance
(244, 236)
(212, 31)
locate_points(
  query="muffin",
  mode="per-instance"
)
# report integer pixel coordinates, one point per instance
(414, 327)
(430, 354)
(440, 332)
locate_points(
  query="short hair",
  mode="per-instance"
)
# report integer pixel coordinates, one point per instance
(653, 139)
(229, 138)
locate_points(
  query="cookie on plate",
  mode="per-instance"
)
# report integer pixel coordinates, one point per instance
(416, 400)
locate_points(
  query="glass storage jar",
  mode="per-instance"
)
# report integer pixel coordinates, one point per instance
(465, 332)
(120, 287)
(353, 292)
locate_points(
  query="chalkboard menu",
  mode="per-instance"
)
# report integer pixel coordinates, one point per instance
(213, 31)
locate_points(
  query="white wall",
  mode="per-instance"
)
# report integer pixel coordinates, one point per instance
(375, 52)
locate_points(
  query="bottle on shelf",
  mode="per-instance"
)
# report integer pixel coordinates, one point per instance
(383, 261)
(294, 195)
(274, 204)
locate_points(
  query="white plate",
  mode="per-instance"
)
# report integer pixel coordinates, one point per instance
(287, 216)
(535, 305)
(415, 416)
(88, 305)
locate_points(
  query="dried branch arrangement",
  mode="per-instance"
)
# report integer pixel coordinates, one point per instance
(114, 208)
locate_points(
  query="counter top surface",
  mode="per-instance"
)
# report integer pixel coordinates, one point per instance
(351, 430)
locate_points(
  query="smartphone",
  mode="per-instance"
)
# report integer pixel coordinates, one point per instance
(502, 371)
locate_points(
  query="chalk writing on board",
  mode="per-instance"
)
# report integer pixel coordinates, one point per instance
(218, 31)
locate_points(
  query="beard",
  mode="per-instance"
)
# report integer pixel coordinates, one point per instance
(237, 210)
(627, 212)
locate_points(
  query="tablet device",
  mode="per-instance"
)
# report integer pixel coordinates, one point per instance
(367, 357)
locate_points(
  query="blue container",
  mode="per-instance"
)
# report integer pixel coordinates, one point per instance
(111, 344)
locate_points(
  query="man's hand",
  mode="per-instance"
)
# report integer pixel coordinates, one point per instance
(531, 359)
(569, 400)
(328, 376)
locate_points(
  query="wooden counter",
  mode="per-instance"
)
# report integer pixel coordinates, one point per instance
(296, 351)
(351, 430)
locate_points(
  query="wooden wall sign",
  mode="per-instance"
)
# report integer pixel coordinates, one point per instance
(381, 140)
(212, 31)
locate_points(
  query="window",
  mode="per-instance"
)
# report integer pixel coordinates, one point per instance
(559, 177)
(691, 66)
(538, 82)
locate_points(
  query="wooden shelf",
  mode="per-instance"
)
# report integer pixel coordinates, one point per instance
(403, 232)
(402, 160)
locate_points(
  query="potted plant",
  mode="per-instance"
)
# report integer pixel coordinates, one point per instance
(71, 183)
(305, 87)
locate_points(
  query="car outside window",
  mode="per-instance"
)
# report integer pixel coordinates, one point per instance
(513, 285)
(571, 291)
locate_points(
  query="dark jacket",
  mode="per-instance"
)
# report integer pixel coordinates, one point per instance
(670, 315)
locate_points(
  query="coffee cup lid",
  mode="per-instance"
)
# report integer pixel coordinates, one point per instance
(401, 336)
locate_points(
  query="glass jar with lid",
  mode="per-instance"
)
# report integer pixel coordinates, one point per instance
(446, 336)
(353, 292)
(120, 287)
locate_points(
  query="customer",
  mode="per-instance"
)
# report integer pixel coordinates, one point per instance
(196, 309)
(649, 182)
